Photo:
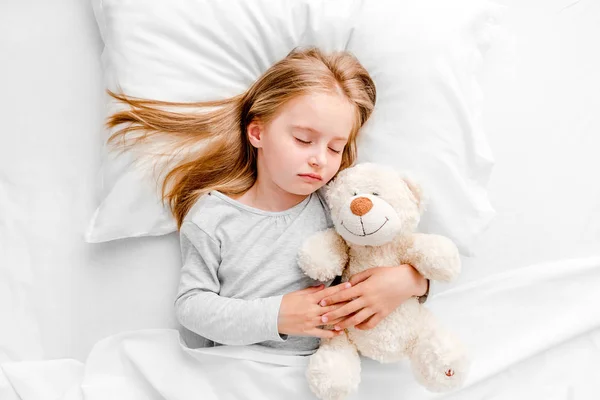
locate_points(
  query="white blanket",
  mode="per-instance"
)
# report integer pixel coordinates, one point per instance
(532, 333)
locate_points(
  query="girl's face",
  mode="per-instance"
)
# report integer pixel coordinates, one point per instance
(300, 150)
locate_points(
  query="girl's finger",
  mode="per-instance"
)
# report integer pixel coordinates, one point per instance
(370, 322)
(361, 276)
(330, 290)
(333, 307)
(312, 289)
(343, 311)
(339, 297)
(339, 320)
(324, 333)
(355, 320)
(317, 320)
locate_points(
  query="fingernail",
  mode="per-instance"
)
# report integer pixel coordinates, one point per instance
(323, 303)
(348, 285)
(324, 318)
(337, 328)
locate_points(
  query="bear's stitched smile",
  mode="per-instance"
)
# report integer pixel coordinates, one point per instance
(363, 228)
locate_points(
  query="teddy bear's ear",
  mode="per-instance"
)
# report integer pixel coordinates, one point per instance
(416, 190)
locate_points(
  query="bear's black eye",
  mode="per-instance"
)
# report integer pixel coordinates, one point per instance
(375, 194)
(354, 193)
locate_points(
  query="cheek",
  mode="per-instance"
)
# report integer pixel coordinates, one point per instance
(334, 165)
(275, 150)
(293, 153)
(284, 158)
(337, 161)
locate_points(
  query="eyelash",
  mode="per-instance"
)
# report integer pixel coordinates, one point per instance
(303, 142)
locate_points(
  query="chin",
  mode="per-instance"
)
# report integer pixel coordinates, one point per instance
(297, 190)
(305, 191)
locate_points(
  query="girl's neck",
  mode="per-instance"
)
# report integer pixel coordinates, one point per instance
(269, 197)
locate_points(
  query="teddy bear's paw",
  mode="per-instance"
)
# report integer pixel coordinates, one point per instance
(436, 257)
(440, 362)
(333, 373)
(323, 255)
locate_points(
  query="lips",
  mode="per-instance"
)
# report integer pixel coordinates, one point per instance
(313, 176)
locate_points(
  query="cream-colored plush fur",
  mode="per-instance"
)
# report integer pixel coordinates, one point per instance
(376, 211)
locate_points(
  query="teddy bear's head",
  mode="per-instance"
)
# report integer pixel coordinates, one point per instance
(371, 204)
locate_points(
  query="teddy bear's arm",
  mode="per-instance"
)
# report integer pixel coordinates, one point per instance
(323, 255)
(435, 257)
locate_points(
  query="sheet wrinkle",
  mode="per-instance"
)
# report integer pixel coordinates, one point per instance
(536, 271)
(569, 6)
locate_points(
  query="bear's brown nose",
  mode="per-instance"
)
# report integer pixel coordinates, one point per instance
(360, 206)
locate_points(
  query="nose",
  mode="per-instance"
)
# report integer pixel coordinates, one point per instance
(319, 159)
(360, 206)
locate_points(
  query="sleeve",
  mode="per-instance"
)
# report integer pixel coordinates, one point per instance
(200, 308)
(423, 298)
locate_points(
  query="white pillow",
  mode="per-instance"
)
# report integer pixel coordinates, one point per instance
(424, 57)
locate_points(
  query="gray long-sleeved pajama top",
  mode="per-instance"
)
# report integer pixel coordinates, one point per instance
(238, 262)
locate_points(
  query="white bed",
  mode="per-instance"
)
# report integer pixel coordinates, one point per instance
(61, 299)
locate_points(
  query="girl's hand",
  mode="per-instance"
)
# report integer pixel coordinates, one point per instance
(375, 293)
(300, 312)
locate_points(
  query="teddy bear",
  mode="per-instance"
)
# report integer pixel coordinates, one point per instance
(375, 211)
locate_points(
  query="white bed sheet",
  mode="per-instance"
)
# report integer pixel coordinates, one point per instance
(532, 333)
(59, 296)
(541, 117)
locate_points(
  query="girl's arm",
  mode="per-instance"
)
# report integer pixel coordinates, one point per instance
(199, 308)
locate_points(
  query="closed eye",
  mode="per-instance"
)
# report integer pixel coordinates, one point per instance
(305, 142)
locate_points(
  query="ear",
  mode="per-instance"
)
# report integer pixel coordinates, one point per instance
(255, 130)
(416, 190)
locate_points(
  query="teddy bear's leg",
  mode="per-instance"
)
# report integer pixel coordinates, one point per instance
(439, 360)
(334, 370)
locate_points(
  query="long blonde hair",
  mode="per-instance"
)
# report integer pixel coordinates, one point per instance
(212, 144)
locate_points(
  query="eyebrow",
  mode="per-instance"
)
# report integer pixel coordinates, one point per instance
(307, 128)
